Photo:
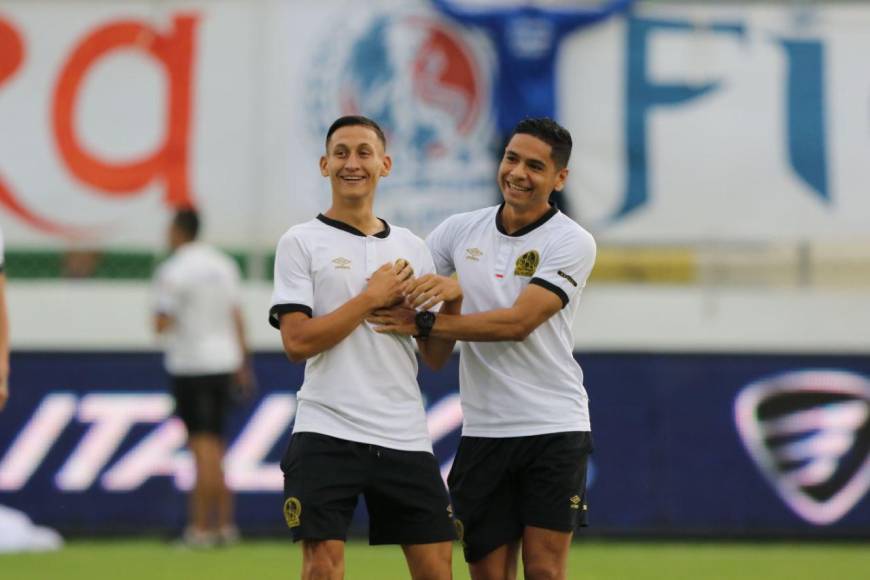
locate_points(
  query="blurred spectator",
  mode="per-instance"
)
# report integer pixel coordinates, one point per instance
(17, 532)
(4, 331)
(198, 313)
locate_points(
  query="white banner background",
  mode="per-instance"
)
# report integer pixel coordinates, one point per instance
(268, 77)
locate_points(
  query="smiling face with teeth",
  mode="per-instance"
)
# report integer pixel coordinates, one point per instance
(354, 162)
(528, 174)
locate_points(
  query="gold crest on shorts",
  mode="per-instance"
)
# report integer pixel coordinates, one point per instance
(527, 263)
(575, 502)
(292, 511)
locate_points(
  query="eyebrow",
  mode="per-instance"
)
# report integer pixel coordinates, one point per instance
(344, 146)
(532, 161)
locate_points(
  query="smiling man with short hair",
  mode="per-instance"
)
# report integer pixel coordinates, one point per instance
(360, 423)
(519, 477)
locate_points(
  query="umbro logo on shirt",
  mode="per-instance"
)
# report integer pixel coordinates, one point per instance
(341, 263)
(473, 254)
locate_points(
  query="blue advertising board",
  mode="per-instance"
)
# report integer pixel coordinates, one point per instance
(700, 444)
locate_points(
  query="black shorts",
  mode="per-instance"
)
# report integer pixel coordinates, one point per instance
(202, 402)
(500, 486)
(403, 490)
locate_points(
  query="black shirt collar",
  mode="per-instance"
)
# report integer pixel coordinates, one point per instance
(352, 230)
(525, 229)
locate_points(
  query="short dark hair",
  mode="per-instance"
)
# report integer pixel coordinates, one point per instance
(187, 221)
(356, 120)
(551, 133)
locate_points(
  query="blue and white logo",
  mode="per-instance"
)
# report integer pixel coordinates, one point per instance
(425, 84)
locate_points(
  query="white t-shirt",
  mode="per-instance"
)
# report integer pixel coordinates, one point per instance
(363, 389)
(198, 286)
(535, 386)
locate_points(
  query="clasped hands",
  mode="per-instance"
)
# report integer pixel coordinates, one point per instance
(413, 294)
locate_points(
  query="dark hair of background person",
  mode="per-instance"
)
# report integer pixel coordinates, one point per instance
(187, 221)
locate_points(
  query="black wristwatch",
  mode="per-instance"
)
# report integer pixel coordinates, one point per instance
(424, 320)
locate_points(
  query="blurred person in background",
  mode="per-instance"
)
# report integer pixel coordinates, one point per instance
(519, 477)
(198, 314)
(527, 37)
(17, 532)
(360, 423)
(4, 330)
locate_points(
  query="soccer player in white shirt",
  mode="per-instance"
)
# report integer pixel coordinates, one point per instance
(360, 426)
(519, 477)
(198, 313)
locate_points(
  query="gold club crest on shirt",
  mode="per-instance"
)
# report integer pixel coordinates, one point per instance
(527, 263)
(341, 263)
(473, 254)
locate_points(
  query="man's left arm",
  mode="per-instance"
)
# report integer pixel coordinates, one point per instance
(244, 376)
(533, 307)
(164, 302)
(559, 279)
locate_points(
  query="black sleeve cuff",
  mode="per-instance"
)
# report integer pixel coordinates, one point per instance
(279, 310)
(552, 288)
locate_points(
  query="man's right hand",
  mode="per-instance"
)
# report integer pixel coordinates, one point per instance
(388, 284)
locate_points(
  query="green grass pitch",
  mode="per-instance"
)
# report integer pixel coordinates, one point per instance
(148, 559)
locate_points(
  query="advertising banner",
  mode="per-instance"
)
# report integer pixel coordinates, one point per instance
(112, 114)
(737, 445)
(691, 122)
(731, 122)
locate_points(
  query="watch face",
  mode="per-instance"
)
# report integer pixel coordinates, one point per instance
(425, 320)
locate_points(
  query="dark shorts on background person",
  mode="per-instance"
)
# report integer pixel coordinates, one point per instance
(405, 496)
(202, 402)
(501, 485)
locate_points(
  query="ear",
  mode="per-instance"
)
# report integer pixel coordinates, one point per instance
(323, 169)
(388, 165)
(561, 177)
